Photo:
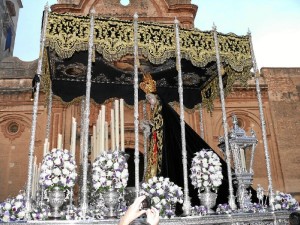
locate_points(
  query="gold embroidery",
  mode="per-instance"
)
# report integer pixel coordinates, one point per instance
(114, 39)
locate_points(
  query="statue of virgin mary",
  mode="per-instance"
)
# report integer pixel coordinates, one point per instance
(164, 156)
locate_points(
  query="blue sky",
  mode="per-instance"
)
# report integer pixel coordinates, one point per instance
(274, 24)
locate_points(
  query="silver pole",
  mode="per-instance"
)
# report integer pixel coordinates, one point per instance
(82, 135)
(49, 114)
(263, 123)
(84, 190)
(34, 115)
(201, 121)
(187, 203)
(146, 135)
(136, 106)
(231, 200)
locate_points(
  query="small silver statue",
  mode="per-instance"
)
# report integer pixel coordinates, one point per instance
(260, 194)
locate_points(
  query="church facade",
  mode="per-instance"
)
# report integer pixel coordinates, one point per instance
(280, 95)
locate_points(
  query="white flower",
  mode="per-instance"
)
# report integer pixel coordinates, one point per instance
(57, 161)
(97, 185)
(18, 204)
(55, 180)
(49, 163)
(63, 180)
(160, 191)
(7, 206)
(277, 206)
(57, 171)
(66, 156)
(109, 163)
(116, 166)
(65, 171)
(156, 200)
(21, 214)
(48, 182)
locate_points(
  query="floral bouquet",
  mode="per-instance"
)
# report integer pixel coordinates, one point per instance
(223, 209)
(206, 170)
(110, 170)
(199, 210)
(13, 209)
(164, 195)
(58, 170)
(284, 201)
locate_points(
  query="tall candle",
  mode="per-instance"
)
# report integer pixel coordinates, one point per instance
(73, 137)
(59, 141)
(106, 136)
(243, 160)
(122, 123)
(112, 129)
(98, 128)
(117, 123)
(45, 147)
(102, 127)
(94, 141)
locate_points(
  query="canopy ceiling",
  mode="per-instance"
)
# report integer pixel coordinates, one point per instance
(112, 70)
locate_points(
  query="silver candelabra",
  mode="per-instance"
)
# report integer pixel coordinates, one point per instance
(239, 143)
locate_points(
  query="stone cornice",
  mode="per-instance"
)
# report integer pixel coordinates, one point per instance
(164, 13)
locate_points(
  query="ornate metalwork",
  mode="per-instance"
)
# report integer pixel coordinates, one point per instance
(201, 121)
(239, 143)
(34, 115)
(136, 105)
(147, 132)
(186, 203)
(84, 205)
(268, 218)
(231, 200)
(49, 114)
(263, 125)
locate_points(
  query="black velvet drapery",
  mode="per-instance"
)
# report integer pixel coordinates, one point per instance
(172, 166)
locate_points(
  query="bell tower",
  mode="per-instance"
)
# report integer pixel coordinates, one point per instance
(9, 14)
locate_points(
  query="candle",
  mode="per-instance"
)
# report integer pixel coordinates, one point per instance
(73, 137)
(59, 141)
(94, 143)
(243, 160)
(45, 147)
(122, 123)
(102, 127)
(106, 136)
(99, 134)
(112, 129)
(117, 123)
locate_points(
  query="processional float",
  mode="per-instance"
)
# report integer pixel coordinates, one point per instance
(223, 59)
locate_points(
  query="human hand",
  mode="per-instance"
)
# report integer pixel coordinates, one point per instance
(133, 211)
(152, 216)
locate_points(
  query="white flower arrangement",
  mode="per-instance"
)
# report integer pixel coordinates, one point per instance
(110, 170)
(164, 194)
(283, 201)
(13, 209)
(206, 170)
(58, 170)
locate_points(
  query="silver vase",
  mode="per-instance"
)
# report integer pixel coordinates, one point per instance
(56, 200)
(111, 198)
(208, 199)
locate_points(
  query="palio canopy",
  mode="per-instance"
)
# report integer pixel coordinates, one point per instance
(67, 41)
